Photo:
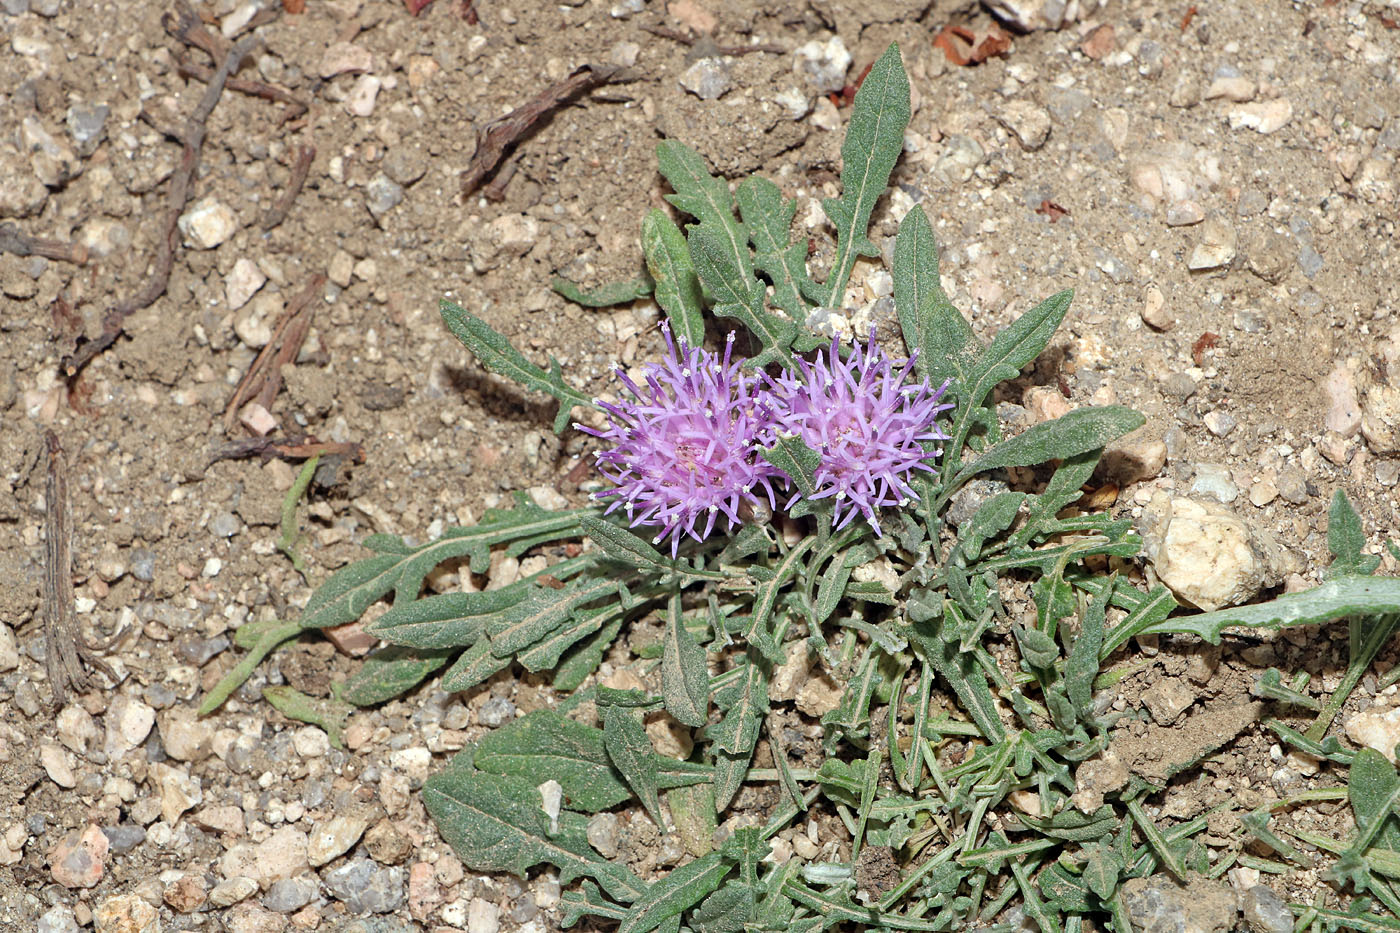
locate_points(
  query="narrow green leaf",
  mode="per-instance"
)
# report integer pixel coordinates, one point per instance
(682, 889)
(685, 683)
(1362, 923)
(745, 702)
(728, 275)
(796, 460)
(496, 353)
(581, 660)
(542, 611)
(1152, 609)
(496, 823)
(587, 900)
(629, 750)
(874, 140)
(932, 327)
(759, 633)
(391, 672)
(697, 192)
(473, 666)
(605, 296)
(1082, 665)
(994, 516)
(545, 653)
(329, 715)
(269, 638)
(1074, 433)
(1017, 345)
(1160, 847)
(623, 546)
(1349, 596)
(768, 219)
(446, 620)
(677, 288)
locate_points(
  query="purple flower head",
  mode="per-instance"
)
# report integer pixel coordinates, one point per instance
(685, 446)
(866, 422)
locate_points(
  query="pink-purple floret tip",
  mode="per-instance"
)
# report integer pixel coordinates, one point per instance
(685, 448)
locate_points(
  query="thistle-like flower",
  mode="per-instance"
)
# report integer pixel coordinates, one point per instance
(685, 446)
(868, 423)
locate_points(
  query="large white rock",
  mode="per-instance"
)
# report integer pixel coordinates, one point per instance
(1206, 554)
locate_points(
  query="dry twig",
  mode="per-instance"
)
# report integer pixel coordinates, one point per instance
(501, 134)
(181, 184)
(264, 378)
(685, 38)
(13, 240)
(300, 169)
(66, 651)
(288, 448)
(297, 106)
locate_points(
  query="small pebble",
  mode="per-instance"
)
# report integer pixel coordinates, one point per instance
(707, 79)
(242, 283)
(495, 712)
(77, 861)
(366, 888)
(1220, 423)
(207, 224)
(382, 195)
(823, 64)
(126, 913)
(1265, 912)
(289, 894)
(124, 837)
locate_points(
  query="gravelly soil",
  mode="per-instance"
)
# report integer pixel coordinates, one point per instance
(1221, 196)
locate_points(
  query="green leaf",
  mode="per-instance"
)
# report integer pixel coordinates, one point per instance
(874, 140)
(728, 275)
(545, 653)
(625, 547)
(991, 519)
(745, 702)
(475, 665)
(605, 296)
(1270, 685)
(1037, 649)
(583, 658)
(797, 461)
(932, 327)
(447, 620)
(542, 611)
(682, 889)
(545, 745)
(330, 715)
(677, 288)
(391, 672)
(765, 600)
(685, 682)
(496, 823)
(1074, 433)
(1017, 345)
(1082, 665)
(1345, 539)
(768, 219)
(697, 192)
(1102, 866)
(1362, 923)
(1349, 596)
(693, 809)
(725, 911)
(629, 750)
(587, 900)
(496, 353)
(1374, 789)
(348, 592)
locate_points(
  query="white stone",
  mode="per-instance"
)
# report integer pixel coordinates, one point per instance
(823, 64)
(547, 497)
(1378, 728)
(1216, 246)
(230, 892)
(1029, 123)
(311, 742)
(58, 764)
(1264, 117)
(1344, 411)
(281, 855)
(1207, 555)
(360, 102)
(9, 649)
(345, 58)
(334, 838)
(483, 916)
(243, 283)
(128, 722)
(1237, 88)
(185, 735)
(178, 791)
(125, 913)
(257, 419)
(207, 224)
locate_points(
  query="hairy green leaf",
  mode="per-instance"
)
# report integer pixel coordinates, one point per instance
(1349, 596)
(629, 750)
(473, 666)
(677, 288)
(874, 140)
(583, 658)
(685, 683)
(545, 745)
(682, 889)
(932, 327)
(1074, 433)
(348, 592)
(604, 296)
(542, 611)
(768, 218)
(1346, 539)
(391, 672)
(728, 275)
(496, 353)
(496, 823)
(446, 620)
(329, 715)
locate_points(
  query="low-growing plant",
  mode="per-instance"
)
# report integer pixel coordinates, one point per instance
(794, 507)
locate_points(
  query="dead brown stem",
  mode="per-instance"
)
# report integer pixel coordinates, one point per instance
(300, 169)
